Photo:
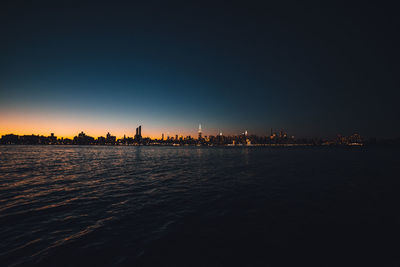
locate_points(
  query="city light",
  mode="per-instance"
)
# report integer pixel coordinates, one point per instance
(274, 139)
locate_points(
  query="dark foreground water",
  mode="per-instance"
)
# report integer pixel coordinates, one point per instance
(168, 206)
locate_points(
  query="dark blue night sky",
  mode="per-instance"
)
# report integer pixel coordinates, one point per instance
(312, 71)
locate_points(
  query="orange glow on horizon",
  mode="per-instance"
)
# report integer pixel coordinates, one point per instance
(69, 126)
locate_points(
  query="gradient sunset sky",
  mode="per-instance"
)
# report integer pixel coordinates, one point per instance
(69, 66)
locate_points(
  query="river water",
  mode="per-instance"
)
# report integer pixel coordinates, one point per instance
(199, 206)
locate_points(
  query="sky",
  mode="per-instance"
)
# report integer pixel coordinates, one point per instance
(312, 71)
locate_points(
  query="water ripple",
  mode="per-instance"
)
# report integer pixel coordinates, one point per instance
(127, 205)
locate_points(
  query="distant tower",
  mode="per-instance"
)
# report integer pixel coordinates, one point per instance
(162, 137)
(245, 133)
(138, 135)
(199, 131)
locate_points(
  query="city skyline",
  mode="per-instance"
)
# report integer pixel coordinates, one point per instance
(67, 126)
(194, 133)
(276, 138)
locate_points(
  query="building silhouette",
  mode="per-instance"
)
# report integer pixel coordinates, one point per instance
(110, 139)
(138, 135)
(83, 139)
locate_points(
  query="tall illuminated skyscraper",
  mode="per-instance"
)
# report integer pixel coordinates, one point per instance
(200, 132)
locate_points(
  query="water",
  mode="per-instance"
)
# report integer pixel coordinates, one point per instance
(191, 206)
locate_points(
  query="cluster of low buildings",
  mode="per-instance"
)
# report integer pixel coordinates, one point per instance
(13, 139)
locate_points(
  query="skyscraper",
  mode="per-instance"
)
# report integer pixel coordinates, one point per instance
(200, 132)
(138, 135)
